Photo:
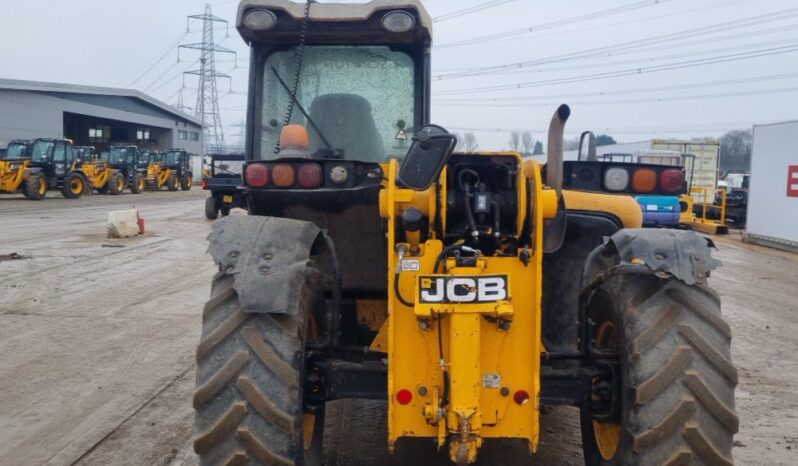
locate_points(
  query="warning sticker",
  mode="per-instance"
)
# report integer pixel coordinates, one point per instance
(411, 265)
(401, 135)
(491, 380)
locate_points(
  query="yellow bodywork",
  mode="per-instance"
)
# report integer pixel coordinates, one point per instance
(702, 223)
(97, 173)
(157, 175)
(12, 174)
(490, 350)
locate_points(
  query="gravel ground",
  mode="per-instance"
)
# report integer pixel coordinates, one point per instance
(97, 339)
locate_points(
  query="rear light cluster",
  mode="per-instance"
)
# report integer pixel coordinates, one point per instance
(643, 180)
(624, 178)
(285, 175)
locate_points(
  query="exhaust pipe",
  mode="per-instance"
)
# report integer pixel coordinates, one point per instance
(554, 151)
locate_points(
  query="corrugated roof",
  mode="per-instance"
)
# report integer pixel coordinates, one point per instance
(38, 86)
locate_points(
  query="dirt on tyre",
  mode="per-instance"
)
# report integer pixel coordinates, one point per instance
(172, 183)
(186, 182)
(116, 184)
(211, 208)
(35, 187)
(74, 186)
(677, 377)
(137, 185)
(250, 371)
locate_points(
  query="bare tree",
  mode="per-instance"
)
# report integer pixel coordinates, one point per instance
(735, 151)
(538, 150)
(515, 141)
(460, 140)
(470, 142)
(571, 144)
(527, 142)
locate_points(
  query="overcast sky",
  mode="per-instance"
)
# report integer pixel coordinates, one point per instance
(723, 64)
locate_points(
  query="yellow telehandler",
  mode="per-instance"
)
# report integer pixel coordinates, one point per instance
(466, 289)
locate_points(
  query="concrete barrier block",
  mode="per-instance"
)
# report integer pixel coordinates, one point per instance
(123, 224)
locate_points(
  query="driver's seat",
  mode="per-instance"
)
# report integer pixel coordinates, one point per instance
(347, 122)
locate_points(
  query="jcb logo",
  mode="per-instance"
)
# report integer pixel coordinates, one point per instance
(482, 289)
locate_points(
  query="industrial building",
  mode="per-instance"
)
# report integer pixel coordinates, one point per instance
(773, 190)
(96, 116)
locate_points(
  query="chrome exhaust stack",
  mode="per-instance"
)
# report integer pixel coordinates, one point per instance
(554, 229)
(554, 150)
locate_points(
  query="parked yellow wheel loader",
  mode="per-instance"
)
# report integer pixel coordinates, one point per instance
(159, 175)
(466, 289)
(16, 176)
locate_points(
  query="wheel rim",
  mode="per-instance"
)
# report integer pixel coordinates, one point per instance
(607, 434)
(120, 183)
(42, 186)
(76, 186)
(141, 184)
(188, 181)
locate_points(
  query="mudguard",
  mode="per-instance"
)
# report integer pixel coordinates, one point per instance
(681, 254)
(267, 257)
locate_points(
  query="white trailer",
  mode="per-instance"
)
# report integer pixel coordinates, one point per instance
(773, 192)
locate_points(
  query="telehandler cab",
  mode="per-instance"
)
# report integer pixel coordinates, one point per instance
(18, 149)
(159, 175)
(179, 162)
(466, 289)
(55, 160)
(124, 160)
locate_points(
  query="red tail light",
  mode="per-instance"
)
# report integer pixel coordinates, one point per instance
(310, 175)
(404, 396)
(671, 180)
(204, 183)
(257, 175)
(521, 397)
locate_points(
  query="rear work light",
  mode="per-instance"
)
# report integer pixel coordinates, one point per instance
(616, 179)
(257, 175)
(644, 180)
(309, 175)
(283, 175)
(671, 180)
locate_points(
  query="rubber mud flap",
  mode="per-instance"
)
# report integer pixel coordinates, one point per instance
(267, 257)
(681, 254)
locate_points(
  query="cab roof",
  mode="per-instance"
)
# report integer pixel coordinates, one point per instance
(333, 12)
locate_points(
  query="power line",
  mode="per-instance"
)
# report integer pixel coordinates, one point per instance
(470, 10)
(637, 43)
(158, 60)
(605, 25)
(650, 59)
(644, 90)
(625, 101)
(631, 71)
(553, 24)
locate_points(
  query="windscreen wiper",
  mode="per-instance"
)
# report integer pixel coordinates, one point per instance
(302, 109)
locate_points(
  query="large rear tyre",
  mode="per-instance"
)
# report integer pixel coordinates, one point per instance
(250, 375)
(677, 377)
(74, 186)
(172, 183)
(186, 182)
(35, 187)
(116, 184)
(211, 208)
(137, 184)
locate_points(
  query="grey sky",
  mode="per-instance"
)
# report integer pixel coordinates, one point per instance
(111, 42)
